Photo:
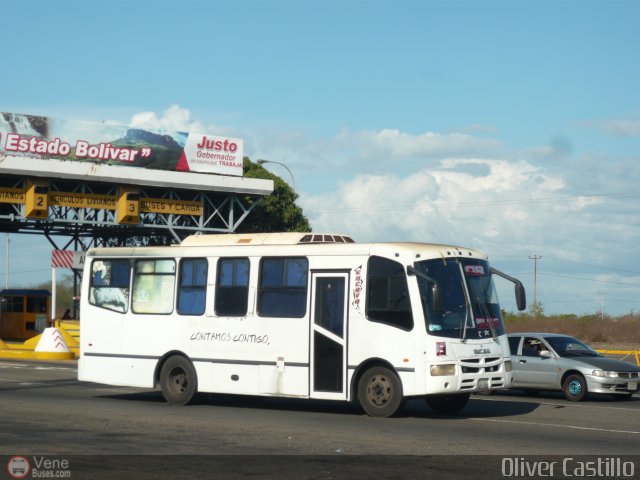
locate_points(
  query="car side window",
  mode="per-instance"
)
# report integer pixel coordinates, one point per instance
(531, 347)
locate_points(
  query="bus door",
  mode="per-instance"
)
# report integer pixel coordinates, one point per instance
(329, 335)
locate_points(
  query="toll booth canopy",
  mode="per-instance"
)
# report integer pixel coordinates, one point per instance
(23, 313)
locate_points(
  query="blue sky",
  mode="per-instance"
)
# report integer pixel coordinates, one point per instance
(509, 126)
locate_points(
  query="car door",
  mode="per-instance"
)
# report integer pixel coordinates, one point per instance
(534, 369)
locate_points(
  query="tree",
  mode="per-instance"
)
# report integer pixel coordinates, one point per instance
(64, 293)
(276, 212)
(539, 309)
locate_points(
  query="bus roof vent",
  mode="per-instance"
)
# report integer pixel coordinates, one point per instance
(325, 238)
(287, 238)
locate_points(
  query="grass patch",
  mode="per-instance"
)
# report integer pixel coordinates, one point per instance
(592, 328)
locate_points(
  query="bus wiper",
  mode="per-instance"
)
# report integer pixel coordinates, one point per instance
(411, 270)
(467, 302)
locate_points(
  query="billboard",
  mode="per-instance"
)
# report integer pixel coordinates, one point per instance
(121, 145)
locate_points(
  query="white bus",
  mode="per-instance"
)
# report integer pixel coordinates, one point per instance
(296, 315)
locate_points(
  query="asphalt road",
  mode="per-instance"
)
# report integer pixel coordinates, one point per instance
(44, 410)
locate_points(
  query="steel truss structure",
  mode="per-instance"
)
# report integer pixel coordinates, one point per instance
(83, 228)
(225, 203)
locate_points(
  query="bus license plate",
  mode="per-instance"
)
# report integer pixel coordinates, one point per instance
(632, 386)
(483, 384)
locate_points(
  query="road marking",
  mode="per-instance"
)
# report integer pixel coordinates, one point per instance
(22, 383)
(607, 407)
(574, 427)
(35, 367)
(563, 405)
(56, 368)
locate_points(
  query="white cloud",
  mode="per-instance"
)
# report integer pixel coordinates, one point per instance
(457, 188)
(444, 204)
(394, 144)
(177, 119)
(618, 127)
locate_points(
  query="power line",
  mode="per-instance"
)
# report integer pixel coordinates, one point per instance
(14, 272)
(441, 205)
(613, 269)
(589, 279)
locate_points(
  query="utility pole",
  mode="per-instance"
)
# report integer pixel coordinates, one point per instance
(535, 259)
(601, 292)
(6, 278)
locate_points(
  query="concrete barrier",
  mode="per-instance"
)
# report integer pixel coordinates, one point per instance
(622, 354)
(70, 330)
(49, 345)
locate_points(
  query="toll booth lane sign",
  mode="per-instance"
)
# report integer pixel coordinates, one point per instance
(12, 195)
(107, 202)
(82, 200)
(167, 205)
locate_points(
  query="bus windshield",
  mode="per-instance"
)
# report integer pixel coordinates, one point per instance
(469, 307)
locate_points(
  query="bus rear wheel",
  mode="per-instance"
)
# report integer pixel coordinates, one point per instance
(447, 404)
(178, 380)
(380, 392)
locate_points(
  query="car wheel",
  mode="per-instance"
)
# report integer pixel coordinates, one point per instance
(447, 404)
(575, 387)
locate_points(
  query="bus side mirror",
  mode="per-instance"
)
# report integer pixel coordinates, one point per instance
(521, 297)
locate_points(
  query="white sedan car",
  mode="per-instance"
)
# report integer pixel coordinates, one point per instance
(549, 361)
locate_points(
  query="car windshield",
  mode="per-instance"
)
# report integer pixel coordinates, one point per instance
(469, 308)
(571, 347)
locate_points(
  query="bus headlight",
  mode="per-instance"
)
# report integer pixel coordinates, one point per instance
(443, 370)
(508, 366)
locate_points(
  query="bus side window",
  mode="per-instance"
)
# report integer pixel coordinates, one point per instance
(282, 291)
(388, 294)
(153, 286)
(110, 284)
(192, 292)
(232, 287)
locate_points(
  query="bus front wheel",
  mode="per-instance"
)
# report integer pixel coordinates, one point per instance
(178, 380)
(380, 392)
